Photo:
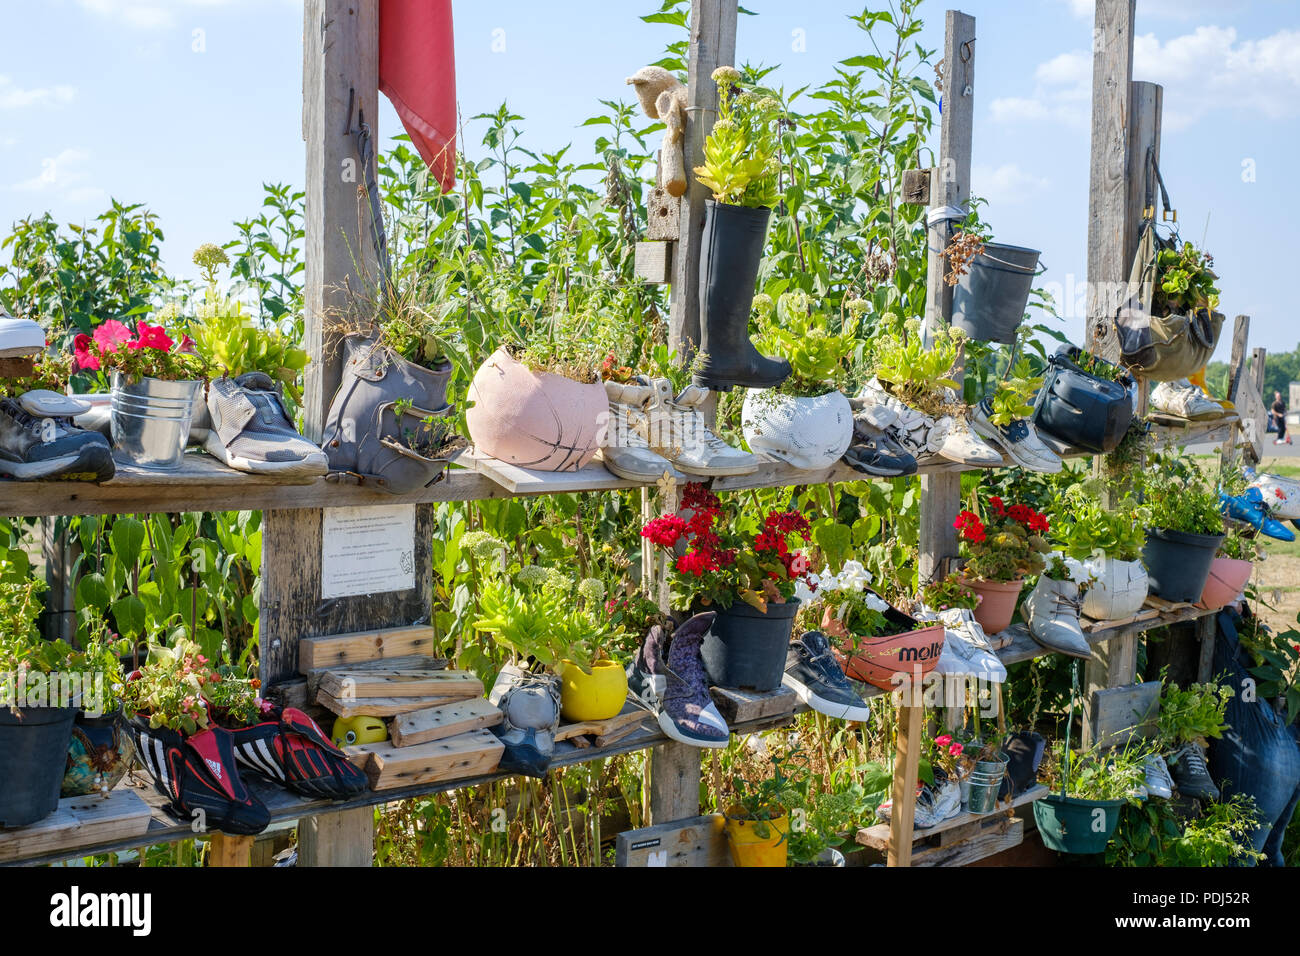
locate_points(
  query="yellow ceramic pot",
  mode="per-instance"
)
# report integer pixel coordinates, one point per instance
(750, 847)
(595, 696)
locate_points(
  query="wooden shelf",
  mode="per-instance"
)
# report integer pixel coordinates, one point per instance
(1023, 647)
(877, 835)
(286, 807)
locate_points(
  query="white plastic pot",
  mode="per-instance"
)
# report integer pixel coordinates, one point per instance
(1117, 591)
(805, 433)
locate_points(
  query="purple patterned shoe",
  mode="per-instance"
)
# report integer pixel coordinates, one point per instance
(667, 676)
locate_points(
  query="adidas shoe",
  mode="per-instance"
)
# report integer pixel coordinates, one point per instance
(289, 748)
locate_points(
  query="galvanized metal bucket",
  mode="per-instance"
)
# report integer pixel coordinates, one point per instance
(985, 781)
(150, 420)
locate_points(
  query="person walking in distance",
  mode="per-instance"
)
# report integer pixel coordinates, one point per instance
(1279, 419)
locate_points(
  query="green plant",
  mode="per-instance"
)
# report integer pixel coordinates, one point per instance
(1180, 496)
(179, 688)
(1240, 545)
(949, 592)
(1276, 658)
(1083, 528)
(1184, 281)
(819, 359)
(915, 373)
(1192, 714)
(740, 154)
(1013, 398)
(769, 799)
(1100, 775)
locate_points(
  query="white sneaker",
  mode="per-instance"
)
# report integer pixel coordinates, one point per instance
(966, 448)
(1019, 440)
(919, 434)
(695, 449)
(1282, 495)
(1182, 399)
(966, 648)
(934, 804)
(634, 409)
(1158, 782)
(20, 337)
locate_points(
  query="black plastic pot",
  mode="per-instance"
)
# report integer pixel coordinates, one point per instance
(989, 301)
(730, 254)
(33, 755)
(1178, 563)
(747, 649)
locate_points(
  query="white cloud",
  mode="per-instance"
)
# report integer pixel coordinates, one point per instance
(1156, 9)
(65, 176)
(1007, 184)
(1203, 71)
(13, 96)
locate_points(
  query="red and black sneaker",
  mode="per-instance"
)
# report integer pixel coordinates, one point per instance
(199, 776)
(289, 749)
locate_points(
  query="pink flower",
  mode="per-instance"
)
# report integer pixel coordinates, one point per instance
(152, 337)
(943, 740)
(111, 334)
(956, 750)
(82, 355)
(187, 345)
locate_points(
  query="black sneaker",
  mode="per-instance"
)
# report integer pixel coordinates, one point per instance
(38, 441)
(1191, 775)
(812, 672)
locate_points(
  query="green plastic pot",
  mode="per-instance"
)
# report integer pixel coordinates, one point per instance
(1071, 825)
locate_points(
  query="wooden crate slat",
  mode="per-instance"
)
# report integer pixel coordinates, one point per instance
(421, 682)
(465, 755)
(698, 841)
(383, 706)
(444, 720)
(630, 716)
(79, 821)
(740, 706)
(322, 653)
(525, 481)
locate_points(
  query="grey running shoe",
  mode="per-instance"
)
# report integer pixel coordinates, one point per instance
(39, 442)
(812, 672)
(251, 431)
(1158, 782)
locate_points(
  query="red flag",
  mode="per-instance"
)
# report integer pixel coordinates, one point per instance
(417, 72)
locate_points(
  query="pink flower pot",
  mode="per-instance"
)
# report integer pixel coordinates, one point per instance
(998, 602)
(534, 419)
(1227, 577)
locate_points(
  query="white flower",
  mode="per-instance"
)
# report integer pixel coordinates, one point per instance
(803, 593)
(853, 576)
(827, 581)
(874, 602)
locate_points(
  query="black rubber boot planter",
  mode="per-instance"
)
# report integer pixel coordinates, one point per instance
(729, 259)
(746, 648)
(990, 300)
(1179, 562)
(33, 756)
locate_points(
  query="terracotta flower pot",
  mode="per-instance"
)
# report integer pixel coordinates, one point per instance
(1227, 578)
(534, 419)
(876, 660)
(998, 602)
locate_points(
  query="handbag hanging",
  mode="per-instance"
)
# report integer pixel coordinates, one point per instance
(1160, 347)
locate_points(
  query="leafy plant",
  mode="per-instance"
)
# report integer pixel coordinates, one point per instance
(819, 358)
(949, 592)
(1100, 775)
(1184, 281)
(915, 373)
(1192, 714)
(1276, 657)
(770, 799)
(1083, 528)
(145, 352)
(179, 688)
(1180, 496)
(1013, 398)
(740, 153)
(1240, 545)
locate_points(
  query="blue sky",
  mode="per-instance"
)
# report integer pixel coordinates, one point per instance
(189, 105)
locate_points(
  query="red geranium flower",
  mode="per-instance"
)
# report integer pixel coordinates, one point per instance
(84, 358)
(664, 531)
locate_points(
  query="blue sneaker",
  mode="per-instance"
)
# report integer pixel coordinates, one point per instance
(1250, 508)
(812, 672)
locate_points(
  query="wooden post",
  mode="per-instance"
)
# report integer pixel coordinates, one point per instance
(340, 81)
(1109, 213)
(60, 549)
(1236, 377)
(674, 782)
(713, 44)
(225, 849)
(940, 494)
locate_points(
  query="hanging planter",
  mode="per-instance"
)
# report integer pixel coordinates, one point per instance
(1085, 402)
(1179, 563)
(33, 756)
(1118, 589)
(150, 420)
(536, 420)
(989, 301)
(805, 433)
(1226, 580)
(746, 648)
(1072, 825)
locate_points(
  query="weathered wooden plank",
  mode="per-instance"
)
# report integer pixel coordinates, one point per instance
(907, 759)
(1115, 714)
(465, 755)
(1006, 833)
(698, 841)
(663, 215)
(79, 821)
(592, 476)
(712, 44)
(422, 683)
(226, 849)
(1108, 185)
(674, 782)
(392, 706)
(654, 261)
(740, 706)
(444, 720)
(343, 838)
(630, 716)
(877, 836)
(334, 650)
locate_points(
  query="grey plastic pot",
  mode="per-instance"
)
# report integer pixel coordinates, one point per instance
(33, 756)
(1178, 563)
(746, 648)
(989, 301)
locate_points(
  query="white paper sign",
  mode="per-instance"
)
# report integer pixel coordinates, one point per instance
(367, 550)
